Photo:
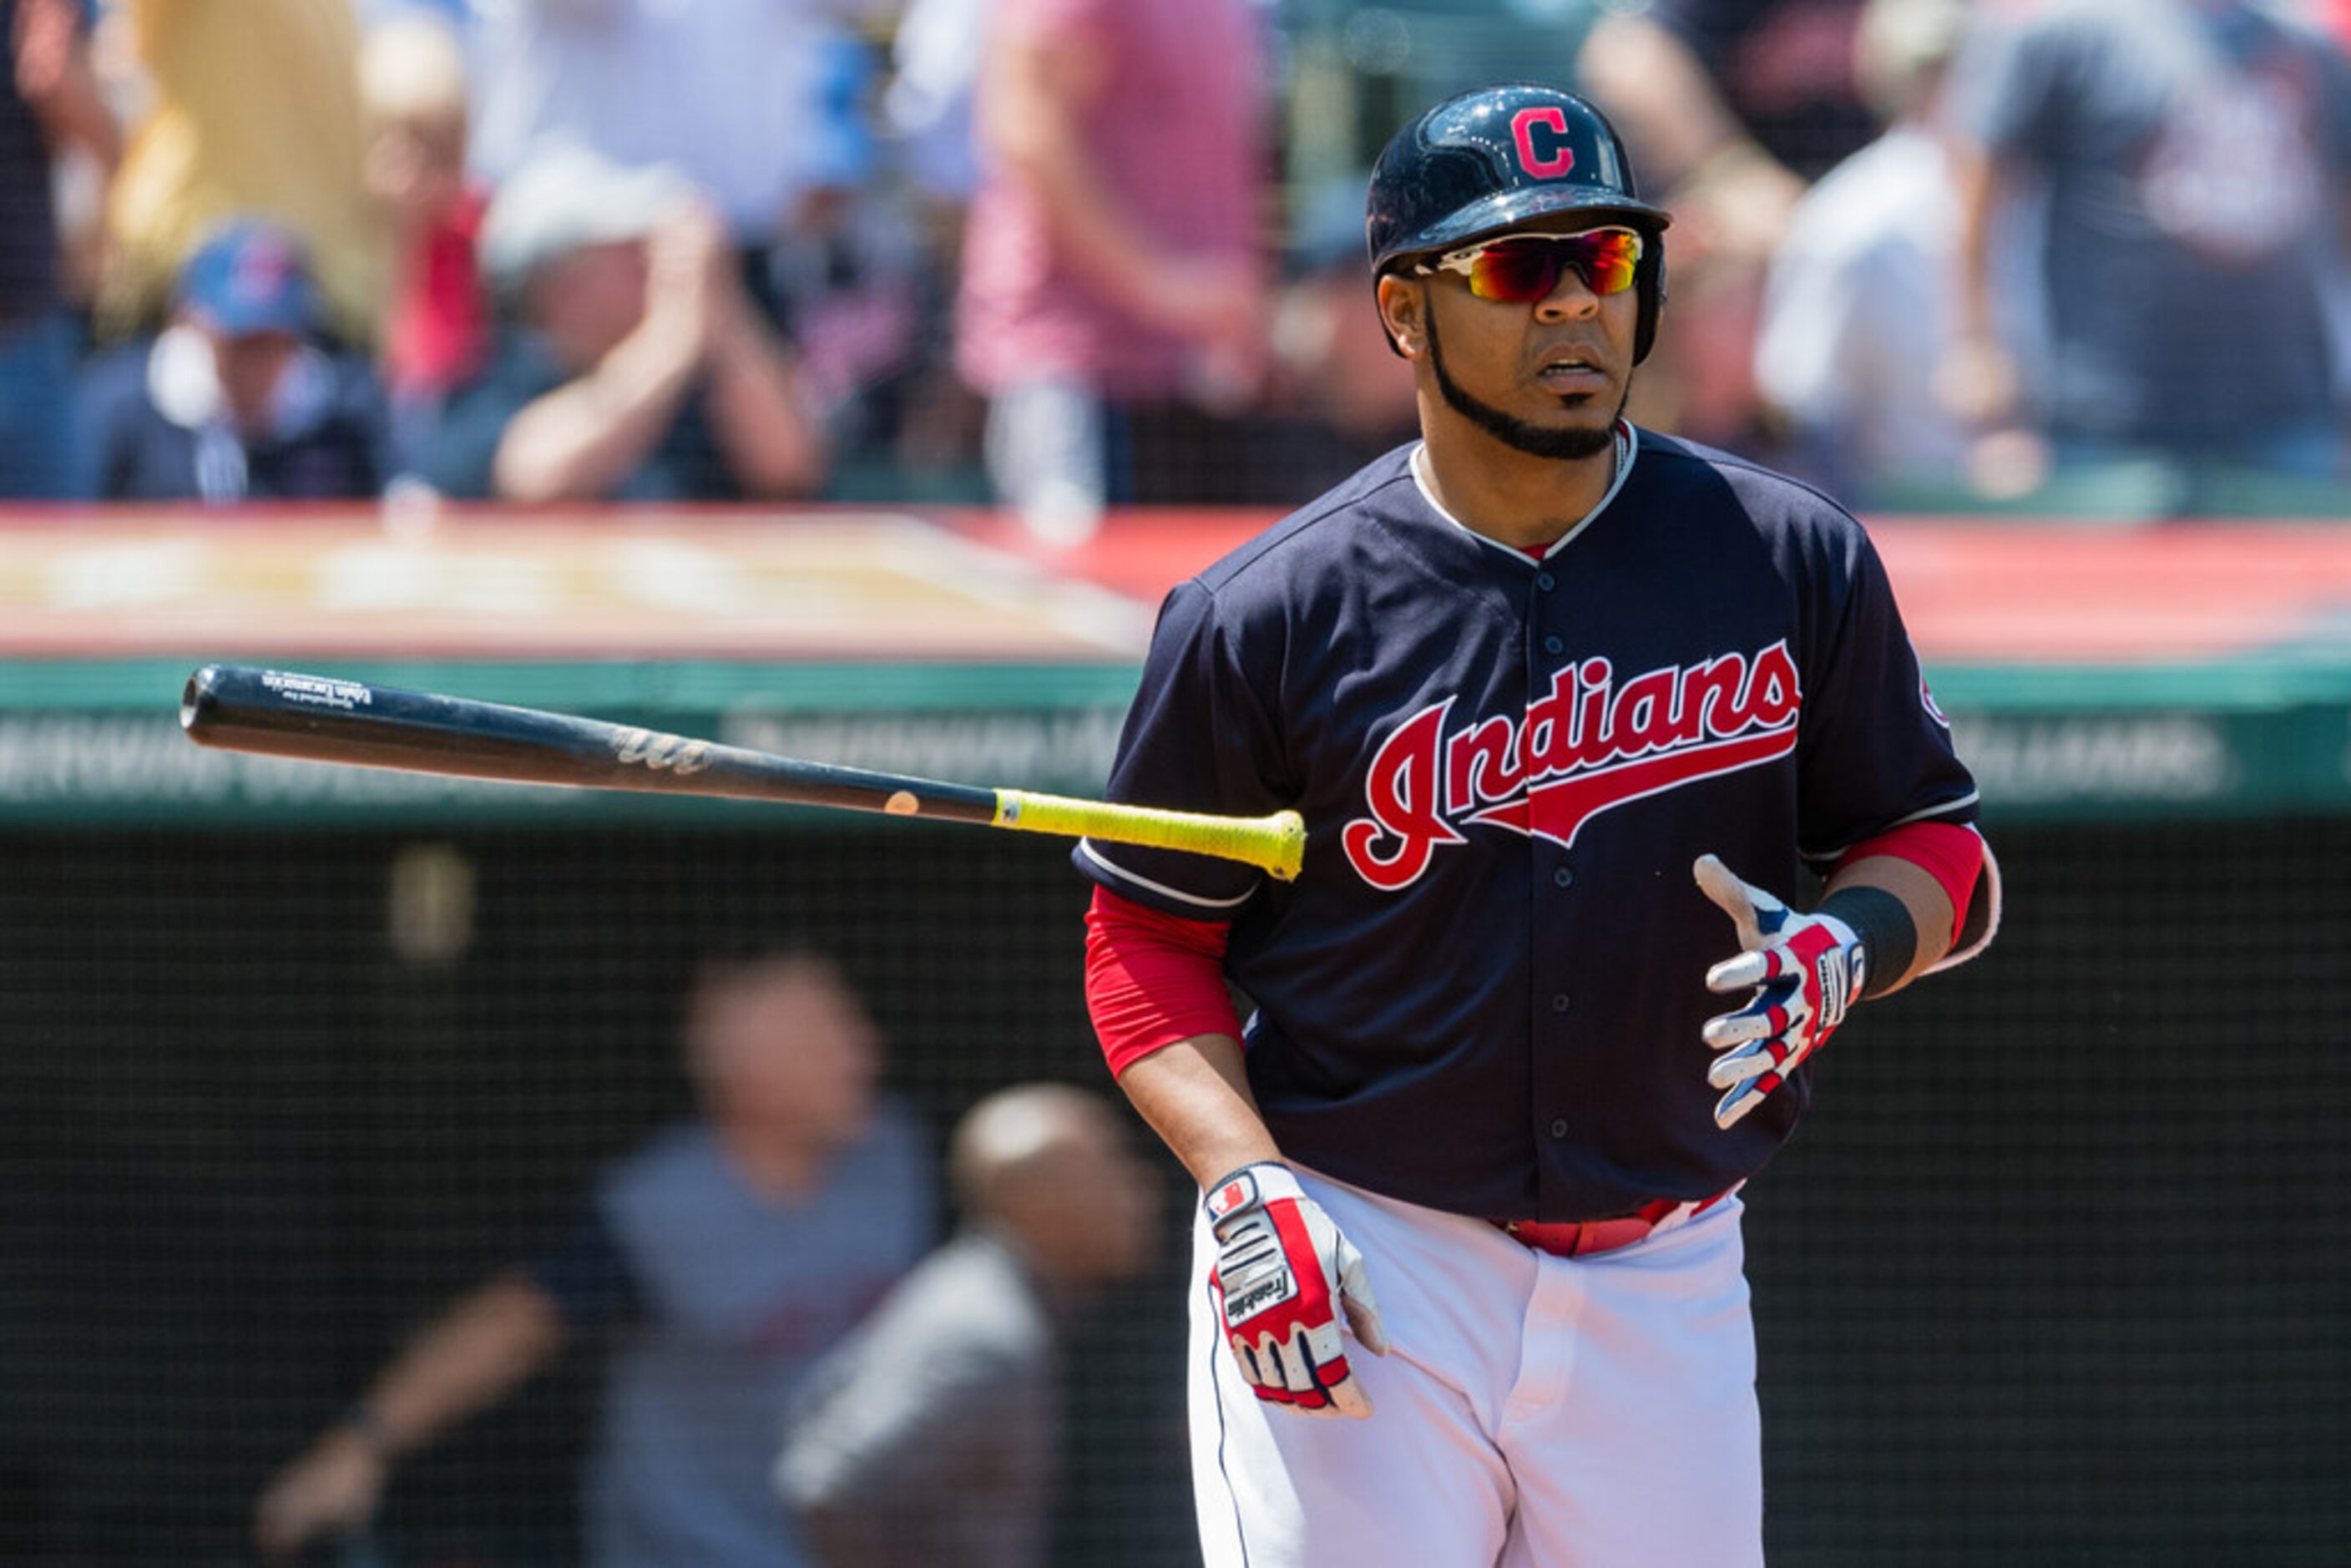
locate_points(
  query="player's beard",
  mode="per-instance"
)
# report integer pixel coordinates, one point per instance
(1540, 441)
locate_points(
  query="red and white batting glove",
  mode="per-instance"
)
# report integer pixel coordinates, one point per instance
(1283, 1275)
(1806, 969)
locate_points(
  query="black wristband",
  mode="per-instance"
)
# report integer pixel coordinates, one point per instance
(1889, 937)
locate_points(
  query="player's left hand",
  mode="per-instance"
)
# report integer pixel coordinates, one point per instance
(1806, 970)
(1283, 1278)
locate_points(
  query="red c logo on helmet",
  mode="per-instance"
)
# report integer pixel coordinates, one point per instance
(1556, 157)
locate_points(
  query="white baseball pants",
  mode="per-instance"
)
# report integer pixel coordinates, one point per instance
(1536, 1412)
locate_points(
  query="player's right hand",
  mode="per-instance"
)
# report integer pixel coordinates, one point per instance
(331, 1490)
(1806, 971)
(1284, 1277)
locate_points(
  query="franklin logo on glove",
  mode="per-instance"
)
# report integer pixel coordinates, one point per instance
(1283, 1276)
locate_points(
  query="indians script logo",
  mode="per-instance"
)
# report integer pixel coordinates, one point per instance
(1586, 746)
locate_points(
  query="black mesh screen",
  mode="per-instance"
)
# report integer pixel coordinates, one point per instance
(2055, 1274)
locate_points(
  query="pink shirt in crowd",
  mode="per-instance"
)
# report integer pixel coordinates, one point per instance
(1175, 132)
(437, 327)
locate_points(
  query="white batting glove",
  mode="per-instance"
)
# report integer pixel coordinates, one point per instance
(1806, 969)
(1283, 1274)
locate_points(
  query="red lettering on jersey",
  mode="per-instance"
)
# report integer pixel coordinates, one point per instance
(1590, 748)
(1645, 716)
(1711, 694)
(1771, 695)
(1391, 848)
(1482, 763)
(1584, 746)
(1541, 137)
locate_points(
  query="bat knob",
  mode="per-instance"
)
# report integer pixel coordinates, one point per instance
(197, 696)
(1290, 846)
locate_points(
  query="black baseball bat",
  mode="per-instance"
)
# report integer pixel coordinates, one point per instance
(321, 718)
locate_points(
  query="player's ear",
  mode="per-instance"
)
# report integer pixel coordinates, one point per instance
(1403, 302)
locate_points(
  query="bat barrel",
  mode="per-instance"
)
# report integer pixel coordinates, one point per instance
(276, 712)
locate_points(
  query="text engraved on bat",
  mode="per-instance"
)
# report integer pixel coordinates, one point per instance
(662, 753)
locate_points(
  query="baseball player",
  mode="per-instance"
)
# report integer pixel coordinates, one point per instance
(1570, 709)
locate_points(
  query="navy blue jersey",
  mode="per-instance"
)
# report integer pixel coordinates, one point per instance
(1484, 991)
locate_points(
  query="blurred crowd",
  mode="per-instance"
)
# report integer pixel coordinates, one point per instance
(788, 1359)
(2053, 255)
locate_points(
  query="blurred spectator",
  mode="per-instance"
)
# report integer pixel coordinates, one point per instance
(235, 399)
(763, 105)
(730, 92)
(864, 304)
(628, 363)
(1761, 90)
(374, 13)
(735, 1249)
(855, 283)
(2194, 154)
(1730, 107)
(50, 101)
(1337, 393)
(253, 108)
(436, 328)
(1112, 287)
(1860, 299)
(935, 57)
(929, 1439)
(930, 418)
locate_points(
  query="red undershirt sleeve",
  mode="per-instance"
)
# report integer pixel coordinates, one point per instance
(1952, 855)
(1153, 979)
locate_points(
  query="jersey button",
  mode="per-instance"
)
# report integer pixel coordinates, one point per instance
(1554, 646)
(1559, 1127)
(1562, 877)
(1558, 1003)
(1546, 582)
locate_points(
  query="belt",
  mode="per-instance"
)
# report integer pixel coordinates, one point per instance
(1582, 1238)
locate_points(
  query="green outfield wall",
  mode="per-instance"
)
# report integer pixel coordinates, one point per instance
(98, 741)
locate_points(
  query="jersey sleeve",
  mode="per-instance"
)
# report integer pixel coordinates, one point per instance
(1199, 738)
(1876, 752)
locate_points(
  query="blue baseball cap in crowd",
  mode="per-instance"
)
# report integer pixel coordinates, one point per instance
(250, 277)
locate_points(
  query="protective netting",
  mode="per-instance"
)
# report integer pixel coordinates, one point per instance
(2057, 1272)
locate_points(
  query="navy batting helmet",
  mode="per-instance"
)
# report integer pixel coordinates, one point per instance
(1490, 159)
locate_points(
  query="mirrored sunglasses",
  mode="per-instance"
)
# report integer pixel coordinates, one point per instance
(1519, 269)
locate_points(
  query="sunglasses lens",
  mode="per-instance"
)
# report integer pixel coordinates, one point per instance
(1610, 260)
(1520, 271)
(1515, 271)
